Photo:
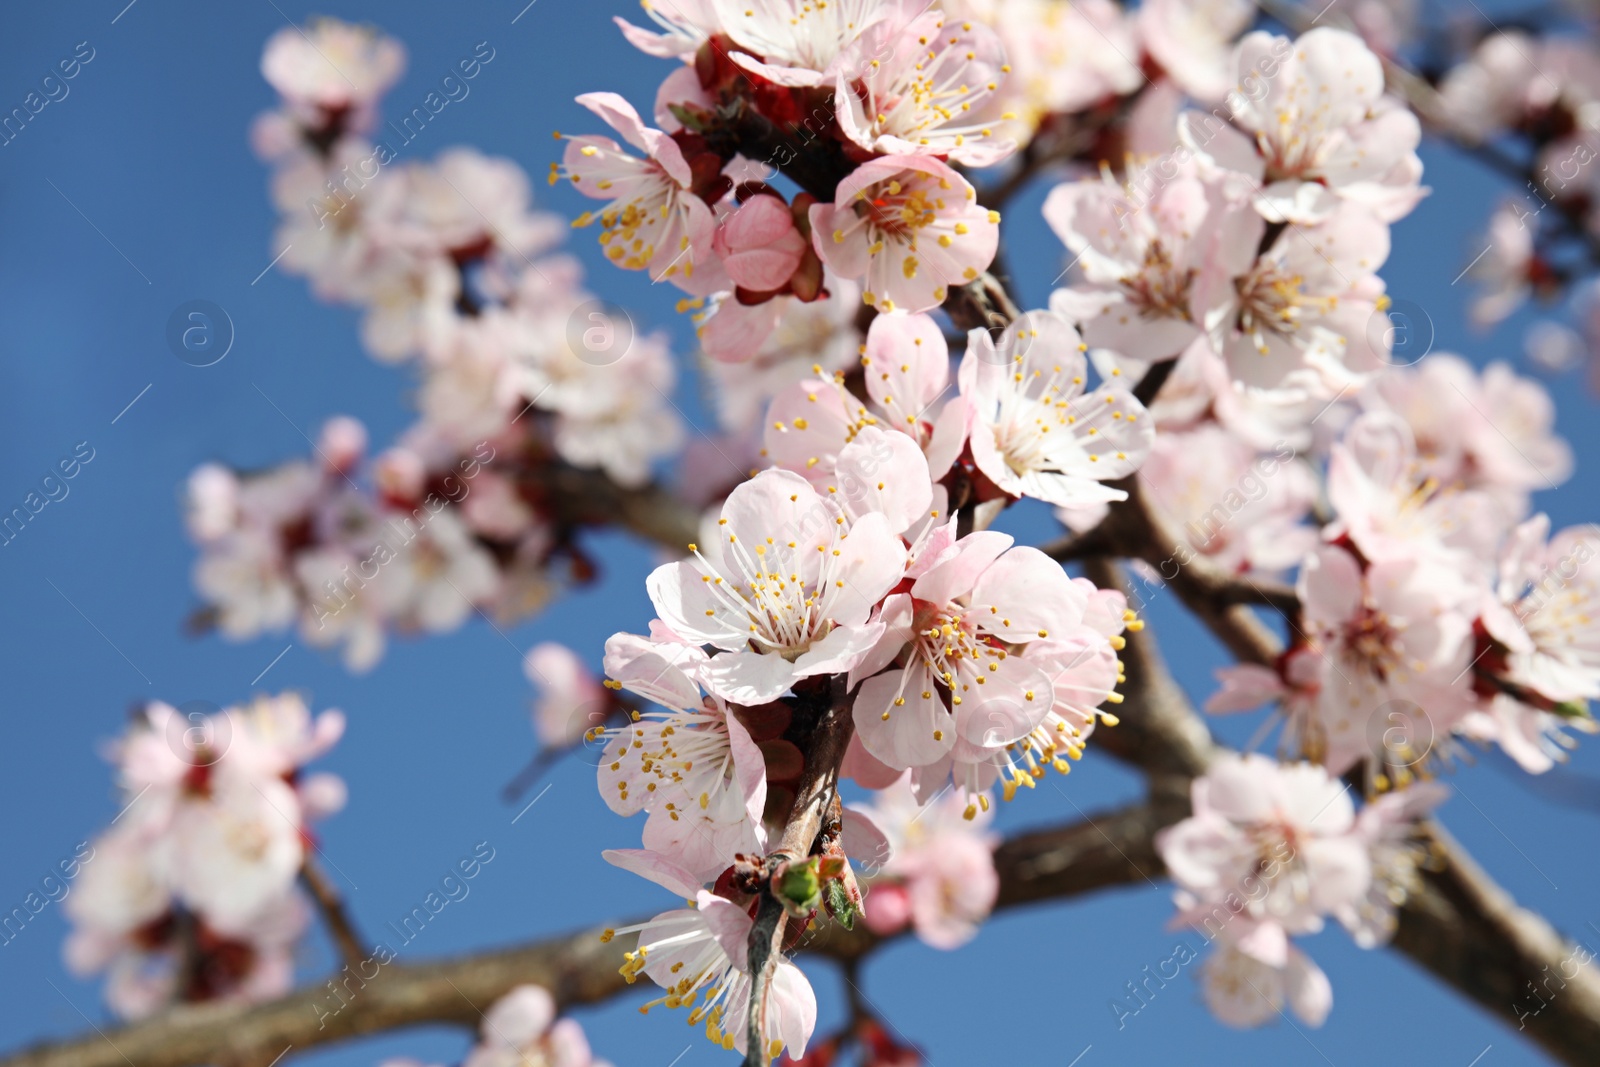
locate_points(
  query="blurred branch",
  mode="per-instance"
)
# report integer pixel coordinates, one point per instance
(329, 904)
(580, 497)
(1132, 529)
(1460, 925)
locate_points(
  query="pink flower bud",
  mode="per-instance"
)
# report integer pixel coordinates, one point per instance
(759, 244)
(344, 442)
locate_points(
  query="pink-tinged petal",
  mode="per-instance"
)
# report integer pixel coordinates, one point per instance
(988, 458)
(654, 670)
(907, 364)
(1027, 596)
(886, 473)
(870, 562)
(1266, 943)
(620, 115)
(749, 771)
(684, 596)
(847, 259)
(682, 86)
(948, 438)
(790, 77)
(737, 331)
(909, 734)
(656, 868)
(791, 1008)
(807, 428)
(615, 772)
(1245, 687)
(931, 779)
(895, 617)
(1197, 849)
(730, 925)
(840, 651)
(957, 572)
(1309, 992)
(746, 677)
(865, 769)
(938, 544)
(1339, 870)
(1221, 144)
(679, 937)
(703, 833)
(1238, 788)
(864, 842)
(1009, 704)
(778, 501)
(1330, 586)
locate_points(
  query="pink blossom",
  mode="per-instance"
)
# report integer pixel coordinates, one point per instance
(571, 700)
(1063, 57)
(1389, 646)
(1256, 971)
(1281, 836)
(787, 587)
(946, 673)
(1308, 300)
(940, 877)
(800, 43)
(1392, 505)
(653, 221)
(1033, 430)
(1243, 509)
(700, 955)
(693, 767)
(1492, 432)
(1140, 244)
(922, 86)
(332, 67)
(1193, 41)
(214, 826)
(1324, 130)
(685, 25)
(759, 245)
(906, 366)
(521, 1030)
(1541, 664)
(910, 227)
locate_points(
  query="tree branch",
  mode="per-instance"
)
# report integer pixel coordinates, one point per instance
(340, 928)
(830, 738)
(580, 497)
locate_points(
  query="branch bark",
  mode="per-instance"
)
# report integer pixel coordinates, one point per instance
(830, 739)
(341, 929)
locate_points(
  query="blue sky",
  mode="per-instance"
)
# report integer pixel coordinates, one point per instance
(137, 192)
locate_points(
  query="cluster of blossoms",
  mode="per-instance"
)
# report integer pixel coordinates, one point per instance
(192, 894)
(521, 372)
(1271, 851)
(1225, 269)
(521, 1030)
(1535, 90)
(1433, 607)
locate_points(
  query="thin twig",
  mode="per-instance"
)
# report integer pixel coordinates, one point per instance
(331, 906)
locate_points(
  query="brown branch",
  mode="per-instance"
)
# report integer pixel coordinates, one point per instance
(1460, 926)
(340, 927)
(830, 738)
(580, 497)
(1472, 935)
(1219, 600)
